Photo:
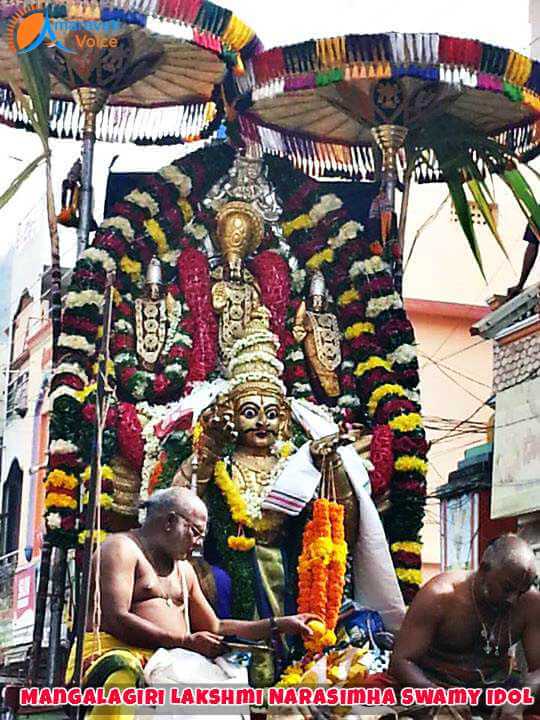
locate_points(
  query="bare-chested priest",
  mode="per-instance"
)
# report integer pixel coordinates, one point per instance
(151, 597)
(461, 626)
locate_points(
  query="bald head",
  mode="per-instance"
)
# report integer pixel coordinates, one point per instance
(180, 500)
(509, 551)
(506, 572)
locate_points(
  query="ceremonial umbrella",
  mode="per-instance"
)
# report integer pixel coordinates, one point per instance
(439, 109)
(157, 64)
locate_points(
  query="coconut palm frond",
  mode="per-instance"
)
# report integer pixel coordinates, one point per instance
(468, 158)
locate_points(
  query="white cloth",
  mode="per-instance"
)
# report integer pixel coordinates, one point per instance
(184, 667)
(375, 582)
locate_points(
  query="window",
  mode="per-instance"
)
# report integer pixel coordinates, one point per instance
(11, 508)
(17, 396)
(476, 213)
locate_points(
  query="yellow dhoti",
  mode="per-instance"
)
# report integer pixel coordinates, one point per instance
(109, 662)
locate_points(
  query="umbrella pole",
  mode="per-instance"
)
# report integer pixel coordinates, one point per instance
(54, 665)
(91, 100)
(390, 138)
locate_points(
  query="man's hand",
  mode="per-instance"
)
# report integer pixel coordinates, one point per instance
(205, 643)
(296, 624)
(508, 712)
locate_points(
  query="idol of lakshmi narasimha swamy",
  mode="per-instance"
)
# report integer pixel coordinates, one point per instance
(258, 487)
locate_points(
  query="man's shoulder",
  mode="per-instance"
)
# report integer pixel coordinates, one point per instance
(445, 584)
(529, 604)
(120, 544)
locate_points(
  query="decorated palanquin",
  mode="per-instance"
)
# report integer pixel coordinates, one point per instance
(255, 324)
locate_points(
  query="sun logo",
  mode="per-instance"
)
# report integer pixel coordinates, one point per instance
(29, 28)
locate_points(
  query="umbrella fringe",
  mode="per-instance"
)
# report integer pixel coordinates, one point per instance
(117, 123)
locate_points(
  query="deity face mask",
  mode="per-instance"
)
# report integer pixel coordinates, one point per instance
(258, 419)
(318, 302)
(153, 291)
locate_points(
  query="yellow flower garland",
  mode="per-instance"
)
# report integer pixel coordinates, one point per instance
(409, 576)
(407, 463)
(406, 423)
(60, 500)
(380, 392)
(157, 234)
(61, 479)
(240, 543)
(237, 504)
(299, 223)
(348, 297)
(98, 537)
(81, 395)
(131, 267)
(358, 328)
(407, 546)
(187, 210)
(106, 473)
(315, 261)
(369, 364)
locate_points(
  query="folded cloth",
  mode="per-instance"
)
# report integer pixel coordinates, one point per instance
(184, 667)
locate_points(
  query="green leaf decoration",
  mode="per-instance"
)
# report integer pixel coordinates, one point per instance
(20, 179)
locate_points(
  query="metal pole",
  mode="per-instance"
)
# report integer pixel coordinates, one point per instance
(54, 664)
(41, 608)
(390, 138)
(91, 100)
(102, 391)
(86, 193)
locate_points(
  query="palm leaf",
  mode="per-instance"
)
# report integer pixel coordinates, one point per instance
(19, 180)
(478, 191)
(38, 85)
(523, 193)
(463, 212)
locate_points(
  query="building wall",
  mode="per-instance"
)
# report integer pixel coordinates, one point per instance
(455, 381)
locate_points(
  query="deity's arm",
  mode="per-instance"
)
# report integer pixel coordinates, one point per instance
(205, 471)
(345, 496)
(299, 328)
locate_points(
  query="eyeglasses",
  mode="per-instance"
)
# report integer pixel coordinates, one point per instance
(197, 533)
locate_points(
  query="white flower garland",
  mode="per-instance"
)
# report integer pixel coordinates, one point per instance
(123, 326)
(149, 417)
(403, 354)
(119, 223)
(173, 326)
(173, 175)
(378, 305)
(102, 256)
(255, 339)
(84, 297)
(347, 232)
(370, 266)
(143, 200)
(76, 342)
(325, 205)
(72, 369)
(248, 358)
(61, 391)
(62, 447)
(53, 520)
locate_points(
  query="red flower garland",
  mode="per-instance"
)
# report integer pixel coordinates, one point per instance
(195, 283)
(381, 454)
(272, 273)
(129, 434)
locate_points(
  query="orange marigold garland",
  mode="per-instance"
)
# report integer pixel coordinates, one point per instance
(321, 571)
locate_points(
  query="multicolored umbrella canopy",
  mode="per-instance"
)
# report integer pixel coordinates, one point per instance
(317, 101)
(163, 76)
